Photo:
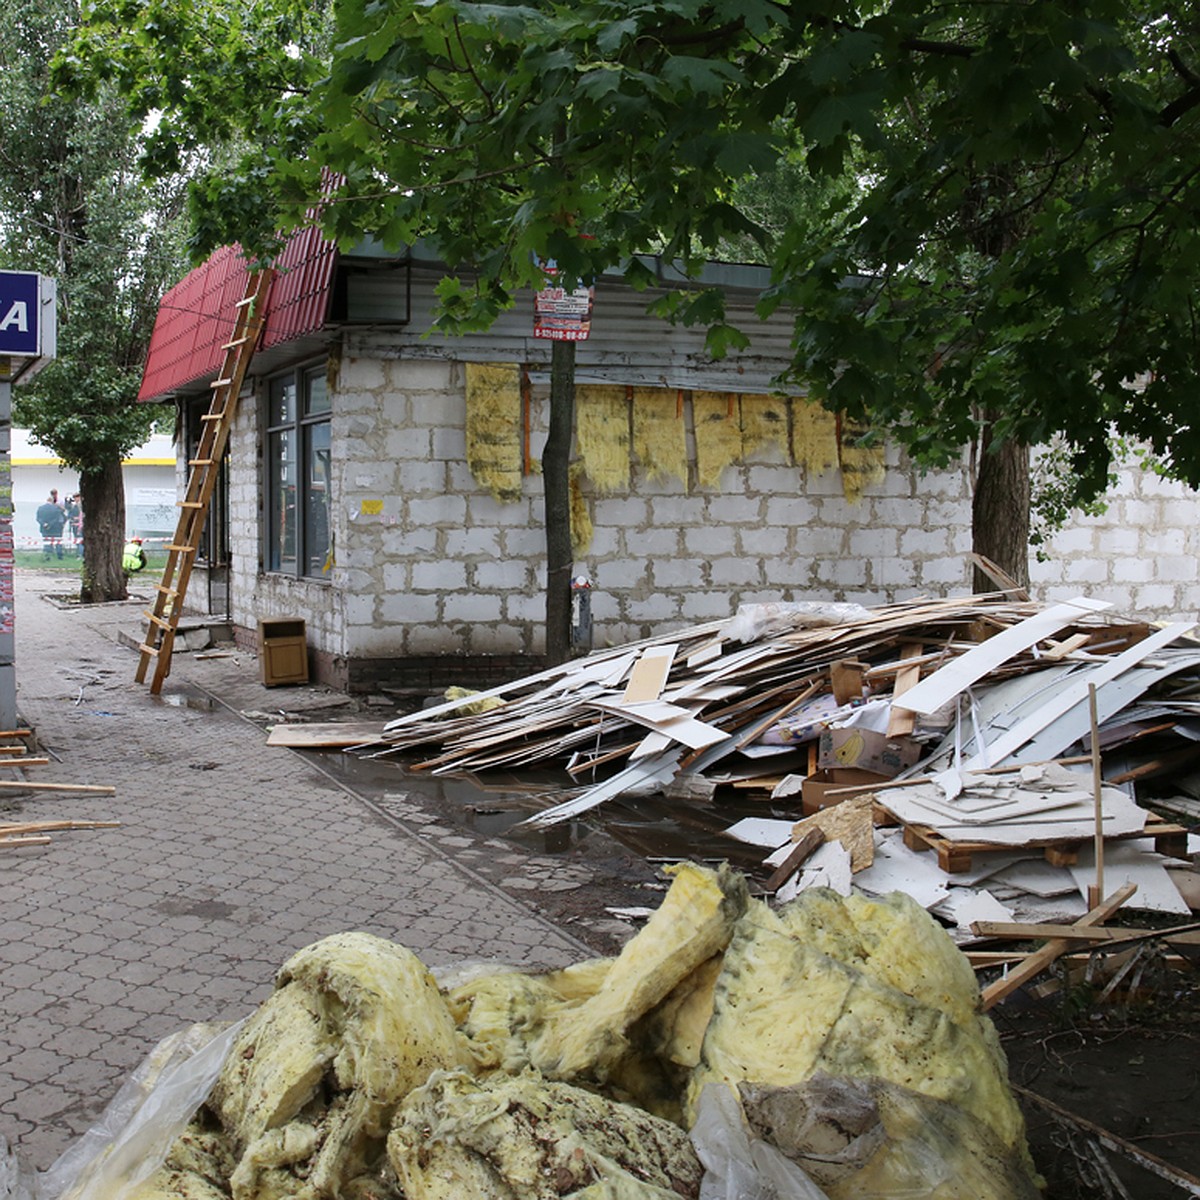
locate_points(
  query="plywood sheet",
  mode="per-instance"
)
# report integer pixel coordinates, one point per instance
(649, 675)
(330, 735)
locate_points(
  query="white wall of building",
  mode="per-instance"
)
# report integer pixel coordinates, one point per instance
(428, 564)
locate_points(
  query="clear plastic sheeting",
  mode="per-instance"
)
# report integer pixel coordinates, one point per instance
(737, 1164)
(150, 1111)
(777, 617)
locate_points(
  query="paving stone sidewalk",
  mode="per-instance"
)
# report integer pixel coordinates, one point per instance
(229, 857)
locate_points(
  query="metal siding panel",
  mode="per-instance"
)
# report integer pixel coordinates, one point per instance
(626, 345)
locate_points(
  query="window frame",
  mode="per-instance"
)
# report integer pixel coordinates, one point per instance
(299, 425)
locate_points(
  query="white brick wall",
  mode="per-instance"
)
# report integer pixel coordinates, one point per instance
(447, 569)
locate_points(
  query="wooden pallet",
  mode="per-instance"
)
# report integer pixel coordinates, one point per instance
(955, 857)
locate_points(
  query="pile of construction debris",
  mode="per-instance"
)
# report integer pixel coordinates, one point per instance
(1002, 751)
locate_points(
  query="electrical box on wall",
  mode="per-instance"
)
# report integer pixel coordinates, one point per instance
(282, 651)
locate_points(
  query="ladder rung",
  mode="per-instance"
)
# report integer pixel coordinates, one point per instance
(151, 650)
(219, 383)
(235, 343)
(162, 622)
(181, 549)
(166, 591)
(190, 504)
(213, 416)
(201, 462)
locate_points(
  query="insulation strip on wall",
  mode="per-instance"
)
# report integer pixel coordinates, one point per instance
(602, 435)
(494, 427)
(718, 435)
(764, 421)
(659, 436)
(862, 465)
(814, 437)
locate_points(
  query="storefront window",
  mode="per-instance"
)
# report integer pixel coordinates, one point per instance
(298, 475)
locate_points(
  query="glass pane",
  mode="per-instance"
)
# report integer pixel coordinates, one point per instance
(281, 498)
(283, 400)
(316, 513)
(316, 393)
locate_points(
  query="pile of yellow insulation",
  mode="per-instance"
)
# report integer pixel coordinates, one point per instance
(847, 1029)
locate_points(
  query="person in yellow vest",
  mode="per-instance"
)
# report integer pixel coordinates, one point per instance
(133, 557)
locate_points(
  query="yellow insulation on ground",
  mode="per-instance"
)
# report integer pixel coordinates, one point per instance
(830, 1018)
(494, 432)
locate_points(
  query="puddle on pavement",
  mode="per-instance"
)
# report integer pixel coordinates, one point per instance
(651, 827)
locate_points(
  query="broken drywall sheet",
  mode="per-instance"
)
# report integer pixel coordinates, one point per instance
(828, 867)
(1131, 864)
(762, 831)
(898, 869)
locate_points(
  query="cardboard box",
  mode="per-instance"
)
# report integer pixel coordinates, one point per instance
(866, 751)
(815, 788)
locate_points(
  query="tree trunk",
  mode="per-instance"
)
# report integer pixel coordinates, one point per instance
(1000, 510)
(102, 495)
(556, 466)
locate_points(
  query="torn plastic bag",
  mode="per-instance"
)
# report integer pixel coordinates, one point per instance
(141, 1123)
(737, 1165)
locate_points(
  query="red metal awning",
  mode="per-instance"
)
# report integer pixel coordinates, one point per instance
(195, 318)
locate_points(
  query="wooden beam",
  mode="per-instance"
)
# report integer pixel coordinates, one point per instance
(802, 850)
(1039, 960)
(23, 785)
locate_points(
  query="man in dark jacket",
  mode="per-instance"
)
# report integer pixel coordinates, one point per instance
(51, 517)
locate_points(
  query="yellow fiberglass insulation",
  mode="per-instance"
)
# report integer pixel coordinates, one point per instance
(694, 922)
(851, 1019)
(659, 437)
(602, 435)
(494, 433)
(527, 1138)
(814, 437)
(797, 995)
(862, 460)
(764, 423)
(308, 1091)
(716, 417)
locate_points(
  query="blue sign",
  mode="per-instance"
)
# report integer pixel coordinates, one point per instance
(20, 308)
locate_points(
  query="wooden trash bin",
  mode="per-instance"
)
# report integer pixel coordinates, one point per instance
(282, 651)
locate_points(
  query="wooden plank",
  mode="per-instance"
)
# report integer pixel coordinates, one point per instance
(846, 680)
(1039, 960)
(23, 785)
(1180, 935)
(24, 841)
(902, 720)
(327, 734)
(799, 853)
(1184, 1180)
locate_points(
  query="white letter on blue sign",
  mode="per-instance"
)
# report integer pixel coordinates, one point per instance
(18, 318)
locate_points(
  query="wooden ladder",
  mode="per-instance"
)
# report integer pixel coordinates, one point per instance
(202, 479)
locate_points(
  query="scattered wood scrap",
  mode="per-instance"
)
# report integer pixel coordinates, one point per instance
(33, 833)
(327, 735)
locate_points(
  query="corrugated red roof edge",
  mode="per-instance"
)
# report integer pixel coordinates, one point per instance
(196, 317)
